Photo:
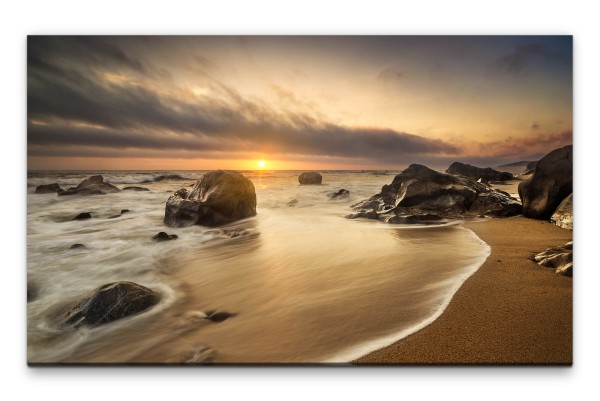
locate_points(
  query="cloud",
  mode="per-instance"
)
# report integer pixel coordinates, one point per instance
(518, 61)
(389, 74)
(71, 103)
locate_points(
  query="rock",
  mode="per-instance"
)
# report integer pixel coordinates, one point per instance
(82, 216)
(202, 354)
(530, 168)
(342, 193)
(119, 215)
(219, 316)
(93, 185)
(292, 203)
(111, 302)
(77, 246)
(218, 198)
(163, 236)
(135, 189)
(563, 216)
(558, 258)
(48, 189)
(487, 174)
(422, 195)
(310, 178)
(32, 291)
(551, 182)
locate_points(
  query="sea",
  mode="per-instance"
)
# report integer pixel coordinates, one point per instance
(304, 284)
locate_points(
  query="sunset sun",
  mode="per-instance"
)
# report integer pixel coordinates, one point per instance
(261, 164)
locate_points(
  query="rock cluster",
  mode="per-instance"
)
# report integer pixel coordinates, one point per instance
(559, 258)
(485, 174)
(422, 195)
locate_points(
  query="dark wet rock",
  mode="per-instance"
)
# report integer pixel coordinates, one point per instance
(32, 291)
(93, 185)
(342, 193)
(429, 196)
(77, 246)
(47, 189)
(292, 203)
(233, 233)
(135, 189)
(163, 236)
(530, 168)
(119, 215)
(167, 177)
(488, 174)
(219, 197)
(219, 316)
(559, 258)
(202, 354)
(550, 184)
(563, 216)
(111, 302)
(83, 216)
(310, 178)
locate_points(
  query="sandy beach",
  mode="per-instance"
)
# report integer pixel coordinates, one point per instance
(511, 311)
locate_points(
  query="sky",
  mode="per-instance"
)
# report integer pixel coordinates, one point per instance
(295, 102)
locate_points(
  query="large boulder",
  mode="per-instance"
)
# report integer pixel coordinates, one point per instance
(310, 178)
(47, 189)
(218, 198)
(111, 302)
(559, 258)
(551, 182)
(422, 195)
(476, 173)
(94, 185)
(563, 215)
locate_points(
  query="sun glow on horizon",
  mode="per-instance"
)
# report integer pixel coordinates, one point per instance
(261, 164)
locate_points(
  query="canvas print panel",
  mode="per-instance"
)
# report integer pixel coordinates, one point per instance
(299, 200)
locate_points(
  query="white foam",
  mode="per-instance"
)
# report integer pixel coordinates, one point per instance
(362, 349)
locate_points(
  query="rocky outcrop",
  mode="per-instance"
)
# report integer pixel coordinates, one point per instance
(485, 174)
(111, 302)
(218, 198)
(93, 185)
(551, 182)
(48, 189)
(422, 195)
(563, 215)
(163, 236)
(559, 258)
(310, 178)
(342, 193)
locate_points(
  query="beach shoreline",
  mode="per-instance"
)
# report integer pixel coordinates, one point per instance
(510, 311)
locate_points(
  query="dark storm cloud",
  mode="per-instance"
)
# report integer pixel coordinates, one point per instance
(70, 103)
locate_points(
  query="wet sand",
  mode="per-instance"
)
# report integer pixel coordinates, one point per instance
(511, 311)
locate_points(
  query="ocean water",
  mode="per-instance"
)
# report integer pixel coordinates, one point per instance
(305, 284)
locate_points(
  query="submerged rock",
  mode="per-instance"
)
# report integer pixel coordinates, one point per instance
(551, 182)
(218, 316)
(48, 189)
(292, 203)
(120, 214)
(218, 198)
(310, 178)
(202, 354)
(563, 216)
(111, 302)
(77, 246)
(342, 193)
(135, 189)
(163, 236)
(82, 216)
(422, 195)
(486, 174)
(559, 258)
(93, 185)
